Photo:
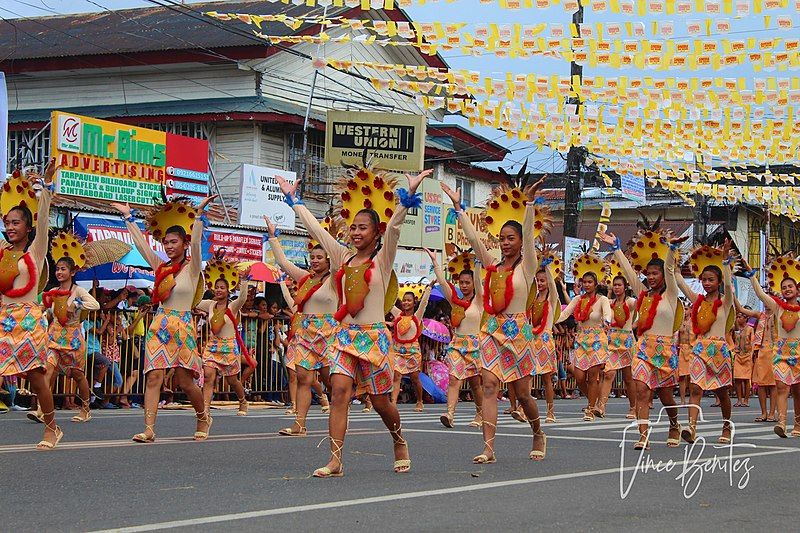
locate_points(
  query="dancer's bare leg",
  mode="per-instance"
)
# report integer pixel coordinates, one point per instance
(391, 419)
(523, 389)
(417, 384)
(398, 377)
(341, 392)
(209, 382)
(186, 382)
(37, 380)
(490, 387)
(477, 396)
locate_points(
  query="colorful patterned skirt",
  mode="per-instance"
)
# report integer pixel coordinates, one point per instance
(785, 366)
(711, 365)
(762, 367)
(362, 352)
(505, 344)
(223, 355)
(171, 342)
(407, 357)
(620, 346)
(23, 338)
(67, 347)
(309, 345)
(742, 365)
(591, 348)
(684, 360)
(656, 361)
(464, 356)
(544, 353)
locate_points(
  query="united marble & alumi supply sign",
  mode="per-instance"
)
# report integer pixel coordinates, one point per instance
(119, 162)
(391, 141)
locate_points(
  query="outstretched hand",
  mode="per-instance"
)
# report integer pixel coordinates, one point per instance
(415, 181)
(678, 240)
(270, 226)
(431, 255)
(206, 201)
(289, 189)
(530, 190)
(124, 209)
(608, 238)
(455, 196)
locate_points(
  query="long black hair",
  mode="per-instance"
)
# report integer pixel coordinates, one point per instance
(375, 218)
(27, 216)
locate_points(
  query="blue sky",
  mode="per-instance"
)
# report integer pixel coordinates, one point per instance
(471, 12)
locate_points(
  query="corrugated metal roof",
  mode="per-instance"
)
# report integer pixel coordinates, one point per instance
(138, 30)
(243, 104)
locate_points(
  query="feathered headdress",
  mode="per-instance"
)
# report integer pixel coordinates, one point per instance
(589, 262)
(176, 212)
(613, 268)
(650, 242)
(703, 256)
(334, 226)
(556, 267)
(463, 260)
(18, 191)
(507, 202)
(220, 268)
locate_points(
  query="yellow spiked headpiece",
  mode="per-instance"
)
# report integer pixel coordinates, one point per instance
(704, 256)
(650, 242)
(614, 269)
(782, 267)
(367, 188)
(556, 267)
(176, 212)
(463, 261)
(18, 192)
(219, 268)
(87, 255)
(589, 263)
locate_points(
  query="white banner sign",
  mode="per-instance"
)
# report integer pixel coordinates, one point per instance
(260, 195)
(572, 248)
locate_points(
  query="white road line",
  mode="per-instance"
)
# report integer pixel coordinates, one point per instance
(215, 519)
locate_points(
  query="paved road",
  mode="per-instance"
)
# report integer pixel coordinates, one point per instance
(246, 477)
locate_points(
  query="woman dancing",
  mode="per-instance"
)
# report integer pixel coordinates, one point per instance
(67, 346)
(620, 344)
(23, 338)
(763, 349)
(361, 350)
(506, 333)
(313, 325)
(543, 311)
(782, 274)
(743, 360)
(712, 366)
(593, 313)
(406, 331)
(655, 366)
(172, 338)
(463, 356)
(224, 347)
(684, 341)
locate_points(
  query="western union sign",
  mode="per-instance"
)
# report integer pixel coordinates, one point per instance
(391, 141)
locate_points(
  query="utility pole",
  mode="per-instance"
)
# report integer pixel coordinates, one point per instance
(576, 154)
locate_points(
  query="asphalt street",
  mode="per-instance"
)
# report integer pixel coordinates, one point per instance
(248, 478)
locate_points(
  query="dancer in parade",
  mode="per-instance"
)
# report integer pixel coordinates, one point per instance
(463, 355)
(365, 281)
(66, 302)
(593, 314)
(506, 333)
(764, 339)
(656, 363)
(224, 347)
(712, 365)
(312, 327)
(406, 331)
(742, 360)
(23, 338)
(782, 275)
(621, 340)
(172, 338)
(683, 339)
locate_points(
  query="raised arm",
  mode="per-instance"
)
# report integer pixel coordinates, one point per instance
(751, 313)
(443, 283)
(287, 296)
(335, 250)
(138, 238)
(466, 225)
(765, 298)
(630, 273)
(477, 281)
(567, 312)
(727, 283)
(39, 244)
(530, 262)
(236, 305)
(686, 289)
(423, 303)
(295, 272)
(608, 314)
(385, 256)
(552, 290)
(196, 264)
(670, 276)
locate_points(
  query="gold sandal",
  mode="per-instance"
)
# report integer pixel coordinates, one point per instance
(447, 419)
(326, 471)
(726, 425)
(631, 414)
(478, 420)
(144, 437)
(780, 428)
(46, 445)
(689, 434)
(644, 441)
(35, 416)
(795, 431)
(203, 417)
(84, 411)
(674, 442)
(243, 405)
(484, 459)
(290, 431)
(538, 455)
(419, 407)
(519, 416)
(401, 466)
(551, 416)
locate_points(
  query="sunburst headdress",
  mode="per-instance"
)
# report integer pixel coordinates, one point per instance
(589, 263)
(176, 212)
(785, 266)
(218, 267)
(650, 242)
(507, 202)
(87, 254)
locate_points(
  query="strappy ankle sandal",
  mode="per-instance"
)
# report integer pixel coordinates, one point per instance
(644, 442)
(588, 415)
(538, 455)
(447, 419)
(484, 459)
(243, 405)
(631, 414)
(419, 407)
(291, 432)
(401, 466)
(551, 416)
(689, 434)
(674, 442)
(367, 408)
(519, 416)
(204, 417)
(46, 445)
(726, 425)
(144, 437)
(35, 417)
(325, 471)
(780, 428)
(795, 430)
(87, 414)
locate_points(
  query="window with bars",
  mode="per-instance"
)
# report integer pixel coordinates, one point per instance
(318, 178)
(198, 130)
(467, 190)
